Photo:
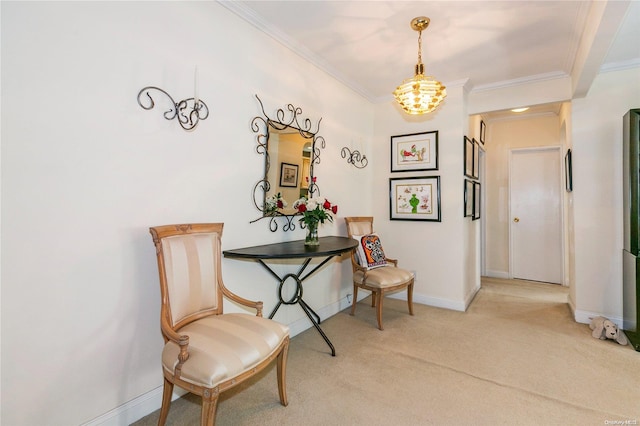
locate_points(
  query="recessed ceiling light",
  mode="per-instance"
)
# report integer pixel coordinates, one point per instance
(519, 109)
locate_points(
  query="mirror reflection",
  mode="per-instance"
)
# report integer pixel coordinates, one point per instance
(290, 171)
(291, 147)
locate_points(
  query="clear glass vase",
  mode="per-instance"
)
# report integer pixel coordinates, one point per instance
(312, 234)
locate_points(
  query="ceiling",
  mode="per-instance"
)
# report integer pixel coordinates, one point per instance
(370, 46)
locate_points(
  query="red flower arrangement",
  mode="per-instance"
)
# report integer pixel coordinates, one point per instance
(315, 210)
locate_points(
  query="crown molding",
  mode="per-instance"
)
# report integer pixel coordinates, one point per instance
(254, 19)
(555, 75)
(620, 66)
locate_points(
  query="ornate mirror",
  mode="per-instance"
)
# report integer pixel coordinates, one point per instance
(291, 148)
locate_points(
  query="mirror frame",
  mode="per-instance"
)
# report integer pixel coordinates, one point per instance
(261, 125)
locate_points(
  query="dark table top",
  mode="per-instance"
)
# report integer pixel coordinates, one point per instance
(329, 246)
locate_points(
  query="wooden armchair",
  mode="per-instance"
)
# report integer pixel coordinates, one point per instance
(207, 352)
(372, 270)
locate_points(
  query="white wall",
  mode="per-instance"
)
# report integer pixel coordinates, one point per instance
(597, 192)
(86, 171)
(436, 251)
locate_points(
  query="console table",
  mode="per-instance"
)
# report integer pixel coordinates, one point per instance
(328, 248)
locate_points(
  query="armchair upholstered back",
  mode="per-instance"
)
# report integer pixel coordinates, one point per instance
(360, 225)
(192, 259)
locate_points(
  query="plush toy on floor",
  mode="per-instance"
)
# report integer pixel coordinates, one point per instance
(605, 329)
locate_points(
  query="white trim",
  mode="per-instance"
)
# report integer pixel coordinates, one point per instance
(328, 311)
(151, 401)
(522, 116)
(257, 21)
(436, 302)
(135, 409)
(470, 297)
(483, 207)
(620, 66)
(555, 75)
(585, 317)
(498, 274)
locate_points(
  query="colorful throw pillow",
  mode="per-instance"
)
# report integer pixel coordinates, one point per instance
(369, 251)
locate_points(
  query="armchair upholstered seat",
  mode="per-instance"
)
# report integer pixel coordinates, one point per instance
(382, 274)
(207, 352)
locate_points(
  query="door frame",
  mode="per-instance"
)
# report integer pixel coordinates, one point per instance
(560, 160)
(483, 214)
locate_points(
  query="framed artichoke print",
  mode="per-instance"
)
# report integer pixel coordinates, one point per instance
(415, 198)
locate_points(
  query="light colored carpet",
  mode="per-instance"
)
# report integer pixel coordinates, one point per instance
(515, 357)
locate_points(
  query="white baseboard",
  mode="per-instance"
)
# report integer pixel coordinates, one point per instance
(303, 323)
(585, 317)
(149, 402)
(470, 297)
(498, 274)
(431, 301)
(135, 409)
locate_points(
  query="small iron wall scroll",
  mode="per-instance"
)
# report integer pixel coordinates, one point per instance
(354, 157)
(188, 111)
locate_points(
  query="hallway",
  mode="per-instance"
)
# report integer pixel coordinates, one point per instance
(527, 289)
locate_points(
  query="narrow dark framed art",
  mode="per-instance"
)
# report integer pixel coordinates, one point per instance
(483, 131)
(476, 201)
(568, 171)
(476, 159)
(468, 198)
(415, 198)
(288, 175)
(414, 152)
(468, 157)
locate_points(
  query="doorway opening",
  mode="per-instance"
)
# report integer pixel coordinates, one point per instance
(542, 127)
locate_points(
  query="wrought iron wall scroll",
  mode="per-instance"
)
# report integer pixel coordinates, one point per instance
(188, 111)
(355, 157)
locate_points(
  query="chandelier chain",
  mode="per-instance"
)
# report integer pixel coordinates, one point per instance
(420, 46)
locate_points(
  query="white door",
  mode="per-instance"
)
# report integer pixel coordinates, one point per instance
(536, 215)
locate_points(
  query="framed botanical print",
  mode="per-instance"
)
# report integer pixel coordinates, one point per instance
(483, 131)
(415, 198)
(476, 201)
(288, 175)
(476, 159)
(568, 171)
(414, 152)
(468, 197)
(468, 157)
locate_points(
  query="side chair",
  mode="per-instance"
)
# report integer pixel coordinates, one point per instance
(372, 270)
(207, 351)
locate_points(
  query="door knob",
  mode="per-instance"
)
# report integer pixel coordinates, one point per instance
(516, 219)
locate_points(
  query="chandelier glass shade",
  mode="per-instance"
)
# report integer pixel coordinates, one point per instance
(420, 94)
